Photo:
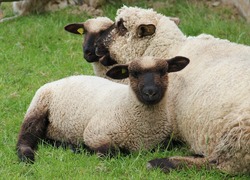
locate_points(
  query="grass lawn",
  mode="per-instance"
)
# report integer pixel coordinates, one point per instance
(35, 49)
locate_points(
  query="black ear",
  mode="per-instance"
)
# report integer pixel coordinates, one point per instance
(177, 63)
(75, 28)
(118, 72)
(145, 30)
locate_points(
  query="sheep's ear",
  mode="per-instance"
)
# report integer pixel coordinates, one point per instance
(176, 20)
(75, 28)
(145, 30)
(118, 72)
(177, 63)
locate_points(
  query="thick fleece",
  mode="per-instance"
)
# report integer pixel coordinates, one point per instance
(212, 106)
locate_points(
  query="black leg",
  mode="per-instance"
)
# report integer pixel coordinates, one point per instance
(33, 129)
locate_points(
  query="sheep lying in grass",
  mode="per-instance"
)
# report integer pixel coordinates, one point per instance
(92, 30)
(212, 106)
(103, 114)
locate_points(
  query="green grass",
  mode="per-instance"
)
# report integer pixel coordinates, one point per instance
(35, 49)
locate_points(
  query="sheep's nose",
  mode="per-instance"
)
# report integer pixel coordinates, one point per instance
(89, 55)
(151, 91)
(87, 52)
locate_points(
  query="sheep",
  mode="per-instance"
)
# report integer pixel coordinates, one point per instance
(214, 119)
(102, 114)
(92, 30)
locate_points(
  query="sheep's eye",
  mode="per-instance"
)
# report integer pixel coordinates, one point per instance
(121, 28)
(134, 74)
(162, 71)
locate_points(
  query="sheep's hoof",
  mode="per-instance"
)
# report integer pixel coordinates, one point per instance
(26, 154)
(164, 164)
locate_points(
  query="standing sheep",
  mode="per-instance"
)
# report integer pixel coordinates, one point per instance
(103, 114)
(212, 106)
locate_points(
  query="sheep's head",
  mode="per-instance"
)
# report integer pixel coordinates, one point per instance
(133, 32)
(148, 76)
(92, 30)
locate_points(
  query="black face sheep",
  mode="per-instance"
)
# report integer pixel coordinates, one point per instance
(92, 30)
(212, 107)
(103, 114)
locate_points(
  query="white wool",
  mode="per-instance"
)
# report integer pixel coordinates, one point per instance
(212, 105)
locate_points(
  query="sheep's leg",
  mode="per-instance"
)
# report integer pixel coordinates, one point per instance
(32, 130)
(177, 162)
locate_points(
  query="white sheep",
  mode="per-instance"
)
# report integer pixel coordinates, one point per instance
(212, 106)
(103, 114)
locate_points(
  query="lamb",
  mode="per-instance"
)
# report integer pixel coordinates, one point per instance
(102, 114)
(214, 119)
(92, 30)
